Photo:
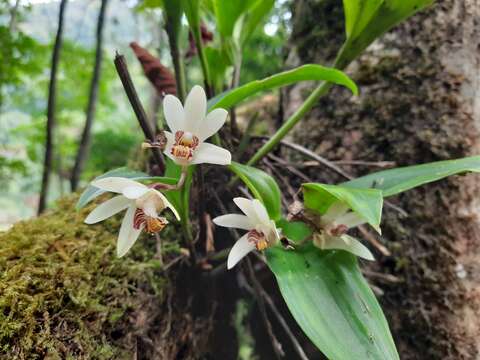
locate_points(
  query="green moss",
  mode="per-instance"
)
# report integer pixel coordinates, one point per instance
(63, 292)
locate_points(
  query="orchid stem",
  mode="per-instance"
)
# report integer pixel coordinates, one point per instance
(309, 103)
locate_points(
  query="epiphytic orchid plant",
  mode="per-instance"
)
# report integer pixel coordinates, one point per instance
(309, 247)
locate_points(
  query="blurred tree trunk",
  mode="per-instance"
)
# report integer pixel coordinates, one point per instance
(84, 145)
(417, 104)
(49, 142)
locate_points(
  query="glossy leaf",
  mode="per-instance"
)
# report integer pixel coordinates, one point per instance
(303, 73)
(367, 203)
(366, 20)
(394, 181)
(262, 186)
(333, 304)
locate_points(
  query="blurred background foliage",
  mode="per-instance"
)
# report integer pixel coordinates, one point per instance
(27, 31)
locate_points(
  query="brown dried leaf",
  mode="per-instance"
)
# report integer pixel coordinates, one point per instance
(158, 74)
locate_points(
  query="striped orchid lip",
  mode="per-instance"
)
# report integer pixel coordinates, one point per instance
(334, 224)
(262, 232)
(190, 126)
(143, 205)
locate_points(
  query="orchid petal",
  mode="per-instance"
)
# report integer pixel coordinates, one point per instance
(246, 206)
(239, 250)
(128, 234)
(135, 191)
(195, 109)
(174, 113)
(335, 210)
(212, 123)
(261, 212)
(234, 221)
(167, 203)
(115, 184)
(211, 154)
(107, 209)
(170, 142)
(350, 244)
(350, 219)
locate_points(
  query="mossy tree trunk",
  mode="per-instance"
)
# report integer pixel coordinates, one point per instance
(417, 104)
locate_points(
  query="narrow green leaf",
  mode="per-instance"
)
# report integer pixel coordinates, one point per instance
(366, 20)
(367, 203)
(254, 17)
(227, 13)
(395, 181)
(262, 186)
(331, 301)
(303, 73)
(192, 12)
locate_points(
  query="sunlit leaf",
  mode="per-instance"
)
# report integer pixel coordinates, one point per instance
(302, 73)
(394, 181)
(262, 186)
(331, 301)
(367, 203)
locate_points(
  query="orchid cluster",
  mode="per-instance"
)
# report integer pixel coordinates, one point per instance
(190, 126)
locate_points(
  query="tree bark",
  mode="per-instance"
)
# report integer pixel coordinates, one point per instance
(417, 104)
(84, 145)
(51, 122)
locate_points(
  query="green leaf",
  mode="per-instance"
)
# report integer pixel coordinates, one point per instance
(303, 73)
(367, 203)
(395, 181)
(192, 12)
(263, 187)
(296, 231)
(227, 13)
(91, 192)
(366, 20)
(254, 17)
(173, 14)
(331, 301)
(218, 64)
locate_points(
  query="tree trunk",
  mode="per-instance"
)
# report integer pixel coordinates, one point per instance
(417, 104)
(84, 145)
(49, 142)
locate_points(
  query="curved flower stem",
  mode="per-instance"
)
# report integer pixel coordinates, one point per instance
(309, 103)
(177, 186)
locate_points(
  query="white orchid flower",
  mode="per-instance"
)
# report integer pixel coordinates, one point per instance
(262, 232)
(190, 127)
(335, 223)
(142, 203)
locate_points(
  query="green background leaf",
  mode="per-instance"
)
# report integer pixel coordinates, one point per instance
(303, 73)
(367, 203)
(366, 20)
(333, 304)
(395, 181)
(262, 186)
